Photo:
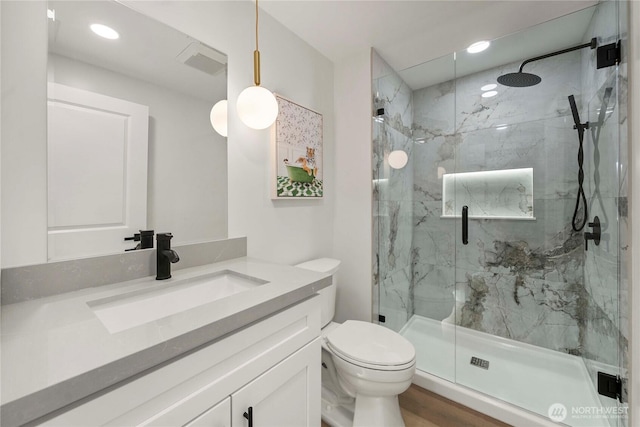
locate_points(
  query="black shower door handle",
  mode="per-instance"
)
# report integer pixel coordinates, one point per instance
(465, 225)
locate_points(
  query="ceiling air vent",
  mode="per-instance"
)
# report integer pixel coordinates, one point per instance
(203, 58)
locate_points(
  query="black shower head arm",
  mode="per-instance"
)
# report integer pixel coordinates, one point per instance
(592, 44)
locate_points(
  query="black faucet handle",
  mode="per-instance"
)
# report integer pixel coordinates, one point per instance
(146, 239)
(135, 237)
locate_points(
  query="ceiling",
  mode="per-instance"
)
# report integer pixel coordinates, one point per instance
(146, 50)
(407, 33)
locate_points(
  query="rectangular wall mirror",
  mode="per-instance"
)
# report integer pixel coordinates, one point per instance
(130, 145)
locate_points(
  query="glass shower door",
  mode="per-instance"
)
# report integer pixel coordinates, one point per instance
(414, 248)
(530, 331)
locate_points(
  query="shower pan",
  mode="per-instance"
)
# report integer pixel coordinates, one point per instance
(481, 258)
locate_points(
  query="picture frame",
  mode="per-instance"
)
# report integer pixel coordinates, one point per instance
(297, 152)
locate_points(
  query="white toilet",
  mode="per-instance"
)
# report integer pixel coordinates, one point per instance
(365, 366)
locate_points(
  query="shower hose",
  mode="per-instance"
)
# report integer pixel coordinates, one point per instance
(576, 224)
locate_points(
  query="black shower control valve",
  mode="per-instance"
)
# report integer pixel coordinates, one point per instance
(595, 234)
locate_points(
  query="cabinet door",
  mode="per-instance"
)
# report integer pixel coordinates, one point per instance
(218, 416)
(287, 395)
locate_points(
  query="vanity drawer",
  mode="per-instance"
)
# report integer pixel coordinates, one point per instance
(202, 378)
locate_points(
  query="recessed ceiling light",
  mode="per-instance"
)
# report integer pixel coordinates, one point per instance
(478, 46)
(490, 86)
(104, 31)
(489, 94)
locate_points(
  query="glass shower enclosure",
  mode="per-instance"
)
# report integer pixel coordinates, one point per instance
(481, 257)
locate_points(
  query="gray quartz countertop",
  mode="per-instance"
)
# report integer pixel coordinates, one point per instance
(56, 351)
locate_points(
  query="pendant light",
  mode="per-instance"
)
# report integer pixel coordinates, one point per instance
(257, 106)
(218, 117)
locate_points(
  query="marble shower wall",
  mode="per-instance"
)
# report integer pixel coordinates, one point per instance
(392, 196)
(521, 279)
(606, 317)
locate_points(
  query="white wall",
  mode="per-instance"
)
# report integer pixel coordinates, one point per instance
(24, 132)
(280, 231)
(353, 209)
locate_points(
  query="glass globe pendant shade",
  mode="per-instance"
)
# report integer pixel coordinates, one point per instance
(398, 159)
(257, 107)
(218, 117)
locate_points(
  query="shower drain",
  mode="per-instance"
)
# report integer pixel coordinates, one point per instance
(480, 363)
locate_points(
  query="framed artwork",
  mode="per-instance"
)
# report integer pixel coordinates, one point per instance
(296, 147)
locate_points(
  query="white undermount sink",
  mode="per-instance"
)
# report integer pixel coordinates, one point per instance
(135, 308)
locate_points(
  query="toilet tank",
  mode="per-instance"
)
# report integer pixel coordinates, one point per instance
(328, 294)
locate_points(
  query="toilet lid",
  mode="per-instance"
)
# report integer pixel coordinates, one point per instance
(371, 344)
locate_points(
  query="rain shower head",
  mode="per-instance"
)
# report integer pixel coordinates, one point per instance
(521, 79)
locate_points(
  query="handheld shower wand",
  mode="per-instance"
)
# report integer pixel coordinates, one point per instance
(580, 127)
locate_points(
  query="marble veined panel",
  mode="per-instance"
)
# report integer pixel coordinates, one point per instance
(489, 194)
(395, 235)
(396, 302)
(433, 290)
(431, 160)
(434, 111)
(393, 94)
(547, 246)
(602, 143)
(548, 99)
(549, 146)
(602, 261)
(523, 307)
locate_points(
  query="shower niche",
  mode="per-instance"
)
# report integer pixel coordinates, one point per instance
(498, 194)
(523, 294)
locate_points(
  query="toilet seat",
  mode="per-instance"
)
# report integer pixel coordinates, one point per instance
(371, 346)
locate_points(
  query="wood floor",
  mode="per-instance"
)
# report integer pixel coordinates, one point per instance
(422, 408)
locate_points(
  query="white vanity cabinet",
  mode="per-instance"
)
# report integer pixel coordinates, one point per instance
(285, 396)
(272, 366)
(218, 416)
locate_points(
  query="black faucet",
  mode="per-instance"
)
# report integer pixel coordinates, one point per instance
(165, 256)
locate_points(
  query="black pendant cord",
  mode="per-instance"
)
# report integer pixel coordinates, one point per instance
(577, 226)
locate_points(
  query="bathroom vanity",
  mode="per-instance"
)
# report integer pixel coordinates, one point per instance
(135, 353)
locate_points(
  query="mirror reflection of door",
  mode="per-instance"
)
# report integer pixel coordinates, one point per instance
(97, 172)
(179, 79)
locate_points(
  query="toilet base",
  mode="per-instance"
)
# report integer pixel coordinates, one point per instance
(336, 415)
(376, 411)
